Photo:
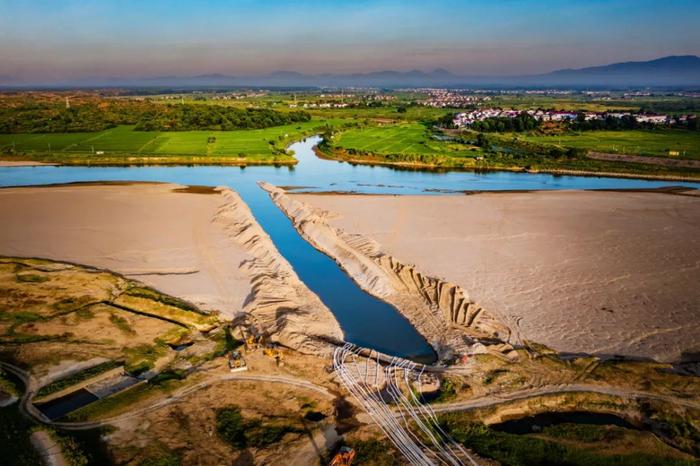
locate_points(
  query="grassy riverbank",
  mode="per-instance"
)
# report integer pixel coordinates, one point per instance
(634, 142)
(123, 145)
(415, 146)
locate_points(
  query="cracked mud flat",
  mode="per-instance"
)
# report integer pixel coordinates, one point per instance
(441, 311)
(201, 245)
(609, 273)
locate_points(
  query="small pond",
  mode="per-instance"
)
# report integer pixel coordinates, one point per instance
(533, 424)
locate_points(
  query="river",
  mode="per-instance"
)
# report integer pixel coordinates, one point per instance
(365, 320)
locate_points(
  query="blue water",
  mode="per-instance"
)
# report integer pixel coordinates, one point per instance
(323, 175)
(365, 320)
(56, 409)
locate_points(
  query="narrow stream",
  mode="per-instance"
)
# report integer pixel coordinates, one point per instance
(366, 321)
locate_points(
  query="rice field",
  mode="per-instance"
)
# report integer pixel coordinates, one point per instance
(637, 142)
(123, 140)
(403, 140)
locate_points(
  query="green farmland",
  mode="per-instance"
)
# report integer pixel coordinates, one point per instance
(123, 145)
(636, 142)
(411, 145)
(410, 139)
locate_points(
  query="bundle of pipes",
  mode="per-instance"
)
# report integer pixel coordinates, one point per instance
(396, 424)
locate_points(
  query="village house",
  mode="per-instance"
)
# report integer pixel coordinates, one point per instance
(651, 118)
(464, 119)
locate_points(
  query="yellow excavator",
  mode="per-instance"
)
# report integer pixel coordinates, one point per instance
(271, 350)
(252, 343)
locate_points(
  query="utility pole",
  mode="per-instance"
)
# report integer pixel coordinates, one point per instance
(67, 103)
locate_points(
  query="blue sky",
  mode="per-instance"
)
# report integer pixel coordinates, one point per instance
(61, 39)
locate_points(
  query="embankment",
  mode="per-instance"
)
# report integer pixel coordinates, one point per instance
(279, 303)
(603, 273)
(441, 311)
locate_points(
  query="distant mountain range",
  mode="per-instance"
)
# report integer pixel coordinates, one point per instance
(671, 71)
(667, 71)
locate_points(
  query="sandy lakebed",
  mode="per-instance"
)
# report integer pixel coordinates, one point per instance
(605, 273)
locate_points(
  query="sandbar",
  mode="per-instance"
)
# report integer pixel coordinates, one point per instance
(605, 273)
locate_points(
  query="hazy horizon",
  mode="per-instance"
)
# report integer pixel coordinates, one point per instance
(71, 40)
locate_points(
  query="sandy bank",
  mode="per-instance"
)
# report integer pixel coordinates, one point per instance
(443, 313)
(595, 272)
(22, 163)
(202, 245)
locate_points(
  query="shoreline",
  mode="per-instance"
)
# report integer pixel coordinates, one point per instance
(441, 311)
(200, 244)
(25, 163)
(418, 166)
(414, 166)
(160, 163)
(503, 247)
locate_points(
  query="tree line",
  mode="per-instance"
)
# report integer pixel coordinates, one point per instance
(98, 115)
(626, 122)
(213, 117)
(522, 122)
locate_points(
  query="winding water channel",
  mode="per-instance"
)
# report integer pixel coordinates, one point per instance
(366, 320)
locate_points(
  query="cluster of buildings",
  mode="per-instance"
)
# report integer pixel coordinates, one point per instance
(358, 98)
(468, 118)
(320, 105)
(200, 95)
(444, 98)
(238, 96)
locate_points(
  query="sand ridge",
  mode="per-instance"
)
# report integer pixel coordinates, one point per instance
(203, 246)
(280, 304)
(442, 312)
(609, 273)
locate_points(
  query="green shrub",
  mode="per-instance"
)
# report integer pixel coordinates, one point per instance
(71, 450)
(492, 375)
(230, 426)
(164, 459)
(76, 378)
(142, 357)
(587, 433)
(448, 391)
(148, 293)
(167, 375)
(260, 435)
(527, 450)
(121, 323)
(239, 433)
(376, 453)
(31, 278)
